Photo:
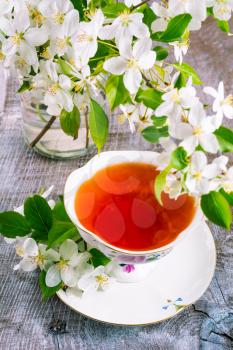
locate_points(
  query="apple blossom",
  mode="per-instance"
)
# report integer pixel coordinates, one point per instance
(222, 9)
(221, 105)
(200, 174)
(33, 255)
(124, 27)
(65, 267)
(197, 131)
(96, 280)
(131, 62)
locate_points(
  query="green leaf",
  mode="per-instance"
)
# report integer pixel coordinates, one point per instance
(158, 121)
(161, 53)
(210, 11)
(66, 67)
(114, 10)
(188, 71)
(217, 209)
(60, 232)
(153, 134)
(175, 29)
(181, 81)
(59, 212)
(47, 292)
(228, 196)
(223, 25)
(116, 91)
(13, 224)
(179, 158)
(148, 15)
(225, 139)
(160, 182)
(70, 122)
(98, 258)
(39, 214)
(150, 97)
(98, 123)
(80, 5)
(24, 87)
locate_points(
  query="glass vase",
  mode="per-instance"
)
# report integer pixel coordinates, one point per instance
(54, 143)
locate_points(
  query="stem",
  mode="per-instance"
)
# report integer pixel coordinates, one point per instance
(141, 3)
(107, 44)
(43, 131)
(87, 129)
(148, 83)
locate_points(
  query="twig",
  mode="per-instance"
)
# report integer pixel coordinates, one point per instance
(141, 3)
(148, 83)
(43, 131)
(87, 129)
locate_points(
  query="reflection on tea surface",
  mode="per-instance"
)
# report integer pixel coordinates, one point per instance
(119, 206)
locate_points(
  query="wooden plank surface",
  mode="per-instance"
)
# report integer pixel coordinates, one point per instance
(29, 324)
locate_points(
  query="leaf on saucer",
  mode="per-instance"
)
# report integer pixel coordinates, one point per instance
(60, 232)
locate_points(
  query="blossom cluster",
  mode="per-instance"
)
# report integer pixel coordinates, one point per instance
(73, 56)
(65, 262)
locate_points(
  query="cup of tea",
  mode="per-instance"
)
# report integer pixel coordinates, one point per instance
(111, 201)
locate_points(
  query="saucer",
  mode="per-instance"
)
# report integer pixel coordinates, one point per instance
(177, 280)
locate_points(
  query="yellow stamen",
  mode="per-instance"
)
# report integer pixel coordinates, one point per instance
(20, 251)
(59, 18)
(197, 175)
(53, 89)
(197, 131)
(101, 279)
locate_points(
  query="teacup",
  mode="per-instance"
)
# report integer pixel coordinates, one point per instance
(121, 256)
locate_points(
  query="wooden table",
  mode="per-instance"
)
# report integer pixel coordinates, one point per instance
(26, 322)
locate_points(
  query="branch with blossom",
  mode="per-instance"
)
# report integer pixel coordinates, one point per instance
(76, 55)
(44, 238)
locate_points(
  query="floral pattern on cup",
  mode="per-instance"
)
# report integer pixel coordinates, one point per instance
(178, 304)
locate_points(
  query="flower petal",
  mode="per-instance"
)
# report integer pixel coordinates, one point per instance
(115, 65)
(69, 276)
(30, 247)
(53, 277)
(68, 249)
(132, 80)
(190, 144)
(209, 143)
(28, 264)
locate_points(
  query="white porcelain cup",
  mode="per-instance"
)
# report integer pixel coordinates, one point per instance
(122, 256)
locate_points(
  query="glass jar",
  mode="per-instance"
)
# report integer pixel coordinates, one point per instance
(54, 143)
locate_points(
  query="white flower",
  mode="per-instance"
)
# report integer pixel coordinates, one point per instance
(137, 116)
(221, 8)
(196, 8)
(200, 174)
(124, 27)
(61, 39)
(85, 42)
(175, 100)
(57, 95)
(21, 38)
(33, 255)
(65, 268)
(180, 49)
(96, 280)
(173, 186)
(55, 12)
(131, 62)
(198, 131)
(221, 105)
(163, 14)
